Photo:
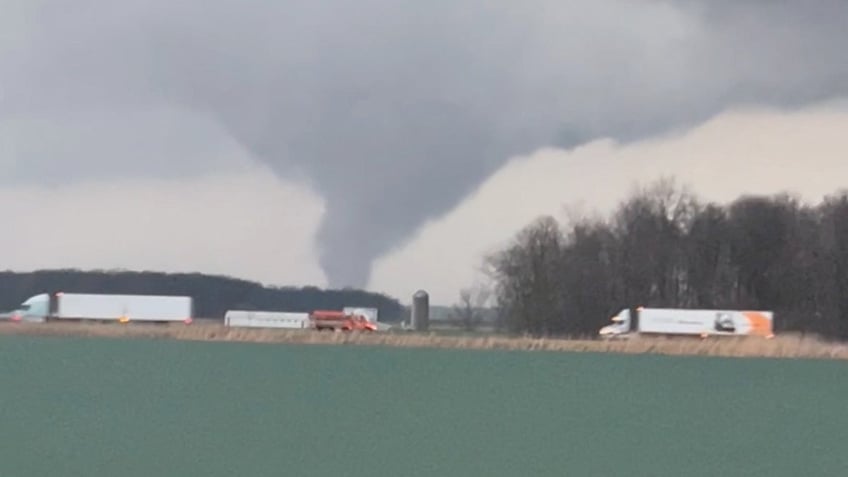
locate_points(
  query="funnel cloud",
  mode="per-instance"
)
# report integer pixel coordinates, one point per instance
(392, 111)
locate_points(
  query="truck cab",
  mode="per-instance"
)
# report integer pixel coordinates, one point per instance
(619, 326)
(34, 309)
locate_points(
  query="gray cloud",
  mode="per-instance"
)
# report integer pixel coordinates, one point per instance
(393, 110)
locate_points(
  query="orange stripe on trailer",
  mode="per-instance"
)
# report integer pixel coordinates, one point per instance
(760, 323)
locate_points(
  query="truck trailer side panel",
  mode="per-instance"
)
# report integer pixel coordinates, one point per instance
(266, 319)
(371, 314)
(704, 322)
(81, 306)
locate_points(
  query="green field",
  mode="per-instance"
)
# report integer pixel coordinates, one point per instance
(98, 407)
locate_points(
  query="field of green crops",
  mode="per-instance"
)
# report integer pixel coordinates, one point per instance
(110, 407)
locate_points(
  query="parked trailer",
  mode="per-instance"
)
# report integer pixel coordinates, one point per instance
(371, 314)
(266, 319)
(335, 320)
(689, 322)
(105, 307)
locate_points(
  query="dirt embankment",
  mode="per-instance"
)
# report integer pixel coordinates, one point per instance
(786, 346)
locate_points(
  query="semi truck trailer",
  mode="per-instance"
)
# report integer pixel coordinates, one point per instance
(265, 319)
(689, 322)
(372, 314)
(104, 307)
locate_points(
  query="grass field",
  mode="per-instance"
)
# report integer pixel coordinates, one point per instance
(120, 407)
(783, 346)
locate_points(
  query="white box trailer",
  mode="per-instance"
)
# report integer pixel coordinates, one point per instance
(692, 322)
(105, 307)
(371, 314)
(266, 319)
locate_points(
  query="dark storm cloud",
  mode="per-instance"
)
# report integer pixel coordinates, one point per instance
(396, 110)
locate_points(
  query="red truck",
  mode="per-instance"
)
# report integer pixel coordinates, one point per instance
(334, 320)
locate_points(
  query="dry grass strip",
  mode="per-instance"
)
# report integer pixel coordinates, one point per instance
(782, 346)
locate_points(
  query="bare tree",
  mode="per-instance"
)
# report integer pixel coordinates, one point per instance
(528, 290)
(470, 308)
(834, 236)
(651, 227)
(707, 251)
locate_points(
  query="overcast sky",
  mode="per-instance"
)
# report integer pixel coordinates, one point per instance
(299, 141)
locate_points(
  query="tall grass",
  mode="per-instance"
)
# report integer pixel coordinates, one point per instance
(782, 346)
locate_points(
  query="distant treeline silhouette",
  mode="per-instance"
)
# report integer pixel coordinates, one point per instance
(213, 295)
(664, 247)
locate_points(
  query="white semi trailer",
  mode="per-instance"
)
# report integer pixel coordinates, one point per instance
(689, 322)
(266, 319)
(105, 307)
(371, 314)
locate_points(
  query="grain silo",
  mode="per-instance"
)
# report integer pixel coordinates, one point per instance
(420, 311)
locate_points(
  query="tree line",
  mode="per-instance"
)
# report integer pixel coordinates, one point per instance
(665, 247)
(213, 295)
